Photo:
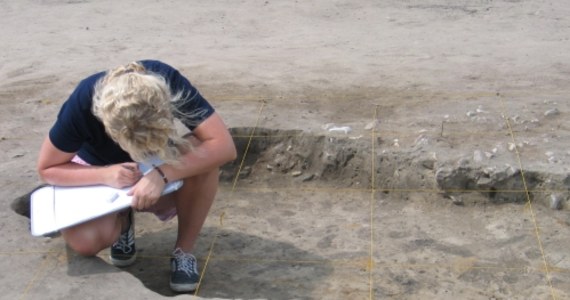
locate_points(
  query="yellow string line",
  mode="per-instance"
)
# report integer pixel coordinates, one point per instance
(372, 196)
(435, 132)
(359, 263)
(386, 133)
(206, 262)
(478, 94)
(529, 203)
(266, 136)
(27, 253)
(213, 243)
(394, 190)
(37, 275)
(252, 99)
(248, 145)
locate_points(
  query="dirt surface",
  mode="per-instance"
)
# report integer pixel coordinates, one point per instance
(388, 149)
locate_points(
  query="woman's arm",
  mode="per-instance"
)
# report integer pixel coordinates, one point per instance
(213, 148)
(55, 167)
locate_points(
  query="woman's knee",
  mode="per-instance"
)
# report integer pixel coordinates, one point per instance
(90, 238)
(81, 242)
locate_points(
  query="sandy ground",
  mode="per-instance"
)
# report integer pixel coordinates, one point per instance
(431, 83)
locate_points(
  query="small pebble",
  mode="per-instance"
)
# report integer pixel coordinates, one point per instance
(555, 202)
(371, 125)
(296, 173)
(552, 112)
(477, 156)
(480, 109)
(456, 200)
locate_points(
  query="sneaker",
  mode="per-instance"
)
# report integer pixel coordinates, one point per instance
(123, 251)
(184, 276)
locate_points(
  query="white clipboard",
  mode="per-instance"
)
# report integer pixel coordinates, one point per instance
(53, 208)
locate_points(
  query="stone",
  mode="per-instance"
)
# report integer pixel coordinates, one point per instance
(308, 178)
(477, 156)
(552, 112)
(296, 173)
(372, 125)
(556, 201)
(456, 200)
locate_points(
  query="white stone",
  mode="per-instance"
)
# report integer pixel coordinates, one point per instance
(552, 112)
(343, 129)
(421, 140)
(371, 125)
(480, 109)
(555, 201)
(477, 156)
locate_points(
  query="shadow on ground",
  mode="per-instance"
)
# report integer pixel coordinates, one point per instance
(230, 271)
(242, 265)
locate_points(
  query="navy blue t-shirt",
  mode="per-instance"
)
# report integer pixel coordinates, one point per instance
(77, 130)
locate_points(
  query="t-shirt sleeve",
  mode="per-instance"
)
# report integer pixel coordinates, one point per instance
(193, 108)
(68, 134)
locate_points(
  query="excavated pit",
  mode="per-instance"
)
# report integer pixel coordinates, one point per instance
(293, 158)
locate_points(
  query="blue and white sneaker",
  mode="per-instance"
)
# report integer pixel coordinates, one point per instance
(184, 275)
(123, 251)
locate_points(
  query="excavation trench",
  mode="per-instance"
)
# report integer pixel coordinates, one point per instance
(288, 158)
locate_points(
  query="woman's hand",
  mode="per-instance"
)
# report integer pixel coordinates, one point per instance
(122, 175)
(147, 191)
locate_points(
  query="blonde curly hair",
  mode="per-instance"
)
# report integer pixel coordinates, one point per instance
(137, 110)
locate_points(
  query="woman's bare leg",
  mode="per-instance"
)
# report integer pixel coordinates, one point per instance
(193, 202)
(91, 237)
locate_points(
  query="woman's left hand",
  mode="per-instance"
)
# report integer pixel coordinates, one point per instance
(147, 191)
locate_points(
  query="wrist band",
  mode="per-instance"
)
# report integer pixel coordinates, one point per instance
(161, 174)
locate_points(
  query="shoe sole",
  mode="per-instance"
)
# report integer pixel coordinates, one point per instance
(123, 262)
(183, 287)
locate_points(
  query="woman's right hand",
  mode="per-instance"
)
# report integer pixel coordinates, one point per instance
(122, 175)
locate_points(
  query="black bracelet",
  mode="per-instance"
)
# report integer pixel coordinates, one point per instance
(161, 174)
